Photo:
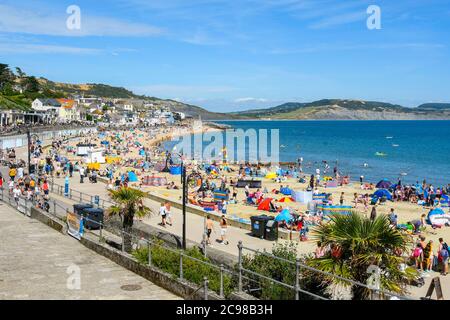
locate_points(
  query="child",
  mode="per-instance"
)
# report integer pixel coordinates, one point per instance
(417, 256)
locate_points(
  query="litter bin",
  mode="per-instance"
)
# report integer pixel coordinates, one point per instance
(94, 215)
(271, 233)
(80, 207)
(259, 225)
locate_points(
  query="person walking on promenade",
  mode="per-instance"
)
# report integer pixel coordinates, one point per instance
(82, 172)
(209, 229)
(223, 230)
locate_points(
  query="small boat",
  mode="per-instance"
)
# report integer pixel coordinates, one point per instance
(380, 154)
(282, 146)
(396, 145)
(389, 137)
(403, 174)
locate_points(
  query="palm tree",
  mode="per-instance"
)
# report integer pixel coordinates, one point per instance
(128, 203)
(356, 243)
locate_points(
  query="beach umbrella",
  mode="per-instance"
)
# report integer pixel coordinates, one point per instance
(383, 193)
(384, 184)
(286, 199)
(284, 215)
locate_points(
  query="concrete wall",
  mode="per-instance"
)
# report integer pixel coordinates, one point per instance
(48, 220)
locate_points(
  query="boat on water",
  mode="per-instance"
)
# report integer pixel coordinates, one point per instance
(380, 154)
(389, 137)
(396, 145)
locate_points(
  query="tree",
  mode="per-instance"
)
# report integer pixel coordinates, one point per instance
(20, 73)
(31, 84)
(356, 243)
(6, 76)
(128, 204)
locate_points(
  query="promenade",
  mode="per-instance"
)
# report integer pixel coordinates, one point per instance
(35, 261)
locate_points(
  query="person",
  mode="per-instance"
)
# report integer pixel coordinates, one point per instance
(45, 187)
(341, 200)
(428, 256)
(393, 218)
(70, 169)
(443, 256)
(16, 194)
(223, 230)
(224, 206)
(1, 181)
(373, 214)
(417, 256)
(81, 171)
(20, 172)
(209, 229)
(320, 250)
(162, 212)
(12, 173)
(168, 213)
(418, 223)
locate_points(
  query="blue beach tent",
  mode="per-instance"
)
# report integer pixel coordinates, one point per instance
(132, 177)
(382, 193)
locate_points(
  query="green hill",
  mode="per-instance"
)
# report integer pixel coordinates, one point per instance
(341, 109)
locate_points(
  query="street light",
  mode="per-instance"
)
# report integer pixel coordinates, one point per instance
(185, 182)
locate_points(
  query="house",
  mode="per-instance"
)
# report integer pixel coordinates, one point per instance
(69, 111)
(46, 105)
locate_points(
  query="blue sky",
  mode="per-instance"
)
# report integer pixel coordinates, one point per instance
(238, 54)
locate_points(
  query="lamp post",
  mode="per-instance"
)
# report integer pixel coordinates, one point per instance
(185, 182)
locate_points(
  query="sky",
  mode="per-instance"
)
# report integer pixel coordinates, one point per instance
(237, 54)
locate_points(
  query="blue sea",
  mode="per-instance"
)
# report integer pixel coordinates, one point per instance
(419, 149)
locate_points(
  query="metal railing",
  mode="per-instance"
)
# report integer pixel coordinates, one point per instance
(80, 196)
(236, 277)
(298, 265)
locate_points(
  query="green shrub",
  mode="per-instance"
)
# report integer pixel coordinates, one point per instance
(193, 271)
(282, 271)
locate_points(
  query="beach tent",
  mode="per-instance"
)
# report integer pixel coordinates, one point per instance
(284, 215)
(132, 177)
(445, 200)
(286, 199)
(286, 191)
(384, 184)
(265, 204)
(382, 193)
(271, 175)
(302, 196)
(438, 217)
(175, 170)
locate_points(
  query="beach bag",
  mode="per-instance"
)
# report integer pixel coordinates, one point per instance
(444, 251)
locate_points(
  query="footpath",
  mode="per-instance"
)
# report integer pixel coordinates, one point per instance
(36, 262)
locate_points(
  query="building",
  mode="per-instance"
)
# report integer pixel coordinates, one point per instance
(69, 111)
(46, 105)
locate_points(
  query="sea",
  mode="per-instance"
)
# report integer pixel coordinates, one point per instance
(408, 150)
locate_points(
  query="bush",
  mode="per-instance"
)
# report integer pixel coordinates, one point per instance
(193, 271)
(282, 271)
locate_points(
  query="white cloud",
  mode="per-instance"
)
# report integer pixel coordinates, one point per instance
(22, 20)
(239, 100)
(22, 48)
(336, 20)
